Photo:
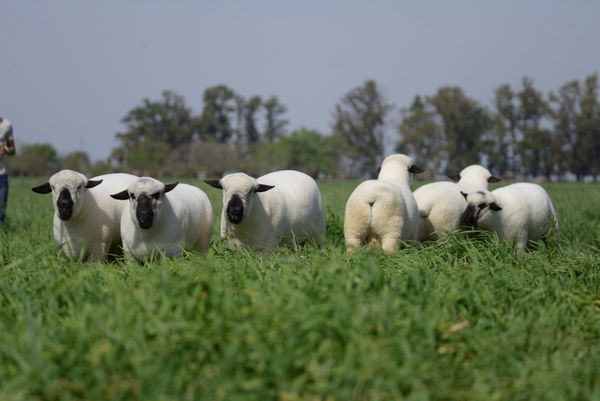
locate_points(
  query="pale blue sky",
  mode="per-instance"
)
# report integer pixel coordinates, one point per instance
(71, 69)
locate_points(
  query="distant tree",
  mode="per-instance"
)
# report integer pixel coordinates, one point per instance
(78, 161)
(201, 159)
(464, 122)
(218, 118)
(274, 122)
(537, 147)
(38, 159)
(501, 143)
(420, 136)
(310, 151)
(251, 109)
(565, 116)
(359, 121)
(168, 120)
(588, 127)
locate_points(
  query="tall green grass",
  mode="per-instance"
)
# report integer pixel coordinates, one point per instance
(465, 320)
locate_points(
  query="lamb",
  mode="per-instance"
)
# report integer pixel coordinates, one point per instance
(86, 219)
(441, 204)
(383, 212)
(519, 212)
(282, 207)
(163, 218)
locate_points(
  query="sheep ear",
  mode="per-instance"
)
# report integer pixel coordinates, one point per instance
(93, 183)
(121, 195)
(464, 194)
(42, 189)
(264, 188)
(494, 206)
(453, 177)
(494, 179)
(214, 183)
(416, 169)
(170, 187)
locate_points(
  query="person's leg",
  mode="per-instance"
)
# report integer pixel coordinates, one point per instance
(3, 197)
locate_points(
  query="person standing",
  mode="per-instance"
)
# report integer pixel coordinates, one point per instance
(7, 147)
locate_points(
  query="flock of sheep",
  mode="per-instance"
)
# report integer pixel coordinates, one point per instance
(98, 217)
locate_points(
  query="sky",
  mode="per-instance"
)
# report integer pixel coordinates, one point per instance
(71, 69)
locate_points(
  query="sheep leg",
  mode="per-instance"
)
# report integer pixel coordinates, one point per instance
(390, 243)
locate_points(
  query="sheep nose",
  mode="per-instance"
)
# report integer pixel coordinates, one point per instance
(235, 214)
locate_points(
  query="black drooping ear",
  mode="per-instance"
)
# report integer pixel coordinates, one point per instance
(170, 187)
(214, 183)
(494, 179)
(93, 183)
(264, 188)
(123, 195)
(453, 177)
(42, 189)
(494, 206)
(464, 194)
(416, 169)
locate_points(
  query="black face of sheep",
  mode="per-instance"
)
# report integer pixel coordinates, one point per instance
(144, 211)
(235, 210)
(64, 204)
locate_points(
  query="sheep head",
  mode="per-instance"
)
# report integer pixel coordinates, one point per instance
(398, 167)
(239, 193)
(145, 196)
(68, 189)
(480, 205)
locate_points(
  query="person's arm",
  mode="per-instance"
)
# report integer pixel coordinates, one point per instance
(9, 144)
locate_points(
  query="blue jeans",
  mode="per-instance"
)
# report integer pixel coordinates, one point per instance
(3, 197)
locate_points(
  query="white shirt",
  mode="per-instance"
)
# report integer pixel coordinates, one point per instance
(6, 133)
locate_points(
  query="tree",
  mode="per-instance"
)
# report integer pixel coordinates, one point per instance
(310, 151)
(420, 136)
(565, 116)
(168, 120)
(78, 161)
(274, 123)
(501, 143)
(359, 121)
(463, 125)
(251, 109)
(218, 119)
(537, 146)
(35, 160)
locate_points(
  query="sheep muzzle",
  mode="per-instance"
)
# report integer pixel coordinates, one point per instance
(144, 212)
(64, 204)
(235, 210)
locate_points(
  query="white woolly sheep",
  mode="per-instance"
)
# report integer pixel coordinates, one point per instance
(86, 219)
(283, 207)
(164, 218)
(441, 204)
(383, 212)
(519, 212)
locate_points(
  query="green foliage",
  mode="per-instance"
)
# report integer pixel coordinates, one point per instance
(360, 122)
(463, 320)
(34, 160)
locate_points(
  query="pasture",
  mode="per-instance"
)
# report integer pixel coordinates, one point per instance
(470, 319)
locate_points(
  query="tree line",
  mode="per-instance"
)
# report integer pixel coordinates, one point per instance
(523, 133)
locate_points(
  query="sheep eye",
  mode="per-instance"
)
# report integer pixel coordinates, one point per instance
(156, 195)
(80, 186)
(132, 196)
(481, 205)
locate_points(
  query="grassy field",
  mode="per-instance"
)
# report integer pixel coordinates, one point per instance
(466, 320)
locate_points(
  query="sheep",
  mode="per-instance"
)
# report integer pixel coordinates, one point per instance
(383, 212)
(164, 218)
(519, 212)
(282, 207)
(86, 219)
(441, 204)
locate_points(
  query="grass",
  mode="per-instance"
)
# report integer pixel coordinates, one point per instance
(465, 320)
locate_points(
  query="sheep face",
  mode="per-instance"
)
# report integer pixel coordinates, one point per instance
(239, 193)
(145, 199)
(480, 205)
(68, 188)
(398, 168)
